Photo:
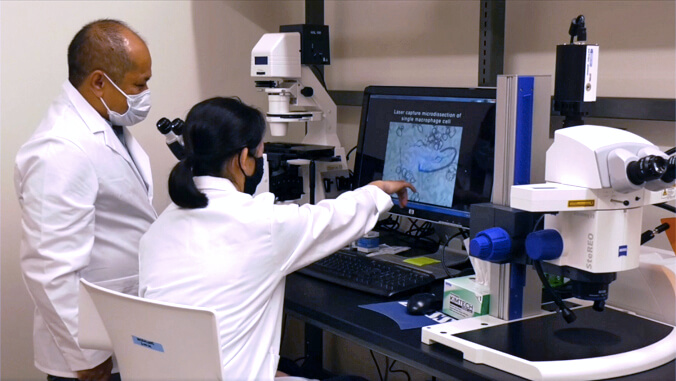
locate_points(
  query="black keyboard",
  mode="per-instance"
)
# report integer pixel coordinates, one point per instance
(367, 274)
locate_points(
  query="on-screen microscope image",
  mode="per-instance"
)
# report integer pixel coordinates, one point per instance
(426, 156)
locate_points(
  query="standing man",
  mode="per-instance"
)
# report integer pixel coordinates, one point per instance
(85, 189)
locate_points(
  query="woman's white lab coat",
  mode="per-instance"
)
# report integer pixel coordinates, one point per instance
(233, 256)
(85, 204)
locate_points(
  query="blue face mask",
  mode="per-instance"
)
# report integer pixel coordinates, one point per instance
(251, 182)
(137, 110)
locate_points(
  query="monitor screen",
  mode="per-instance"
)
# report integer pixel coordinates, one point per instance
(439, 139)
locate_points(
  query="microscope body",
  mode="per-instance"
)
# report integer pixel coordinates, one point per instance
(593, 199)
(296, 95)
(598, 180)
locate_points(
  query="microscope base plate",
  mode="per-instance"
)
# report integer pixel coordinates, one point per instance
(597, 345)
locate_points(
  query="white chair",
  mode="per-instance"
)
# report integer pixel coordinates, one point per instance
(151, 340)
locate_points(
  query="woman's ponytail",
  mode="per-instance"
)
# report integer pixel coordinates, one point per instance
(182, 188)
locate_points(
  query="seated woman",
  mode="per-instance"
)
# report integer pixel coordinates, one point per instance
(217, 246)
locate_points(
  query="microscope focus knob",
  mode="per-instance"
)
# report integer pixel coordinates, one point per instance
(307, 91)
(491, 245)
(544, 245)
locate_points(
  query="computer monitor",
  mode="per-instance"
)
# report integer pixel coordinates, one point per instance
(439, 139)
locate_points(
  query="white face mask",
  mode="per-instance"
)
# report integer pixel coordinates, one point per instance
(138, 108)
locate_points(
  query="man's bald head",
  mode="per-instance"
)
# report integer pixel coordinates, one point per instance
(100, 45)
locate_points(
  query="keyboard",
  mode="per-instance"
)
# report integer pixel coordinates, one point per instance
(367, 274)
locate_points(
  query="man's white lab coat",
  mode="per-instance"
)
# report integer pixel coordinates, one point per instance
(85, 204)
(233, 256)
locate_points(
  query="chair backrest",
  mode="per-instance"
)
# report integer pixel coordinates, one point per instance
(151, 340)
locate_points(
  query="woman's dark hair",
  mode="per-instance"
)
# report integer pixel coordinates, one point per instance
(215, 130)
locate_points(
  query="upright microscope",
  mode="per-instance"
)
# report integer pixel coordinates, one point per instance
(282, 65)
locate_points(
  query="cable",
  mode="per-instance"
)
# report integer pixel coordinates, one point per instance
(412, 228)
(670, 151)
(389, 223)
(666, 206)
(408, 376)
(422, 232)
(417, 233)
(567, 314)
(373, 356)
(537, 223)
(347, 155)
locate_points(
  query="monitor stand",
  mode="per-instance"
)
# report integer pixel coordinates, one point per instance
(417, 246)
(597, 345)
(455, 260)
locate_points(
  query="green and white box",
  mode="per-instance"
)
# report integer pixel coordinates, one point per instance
(464, 298)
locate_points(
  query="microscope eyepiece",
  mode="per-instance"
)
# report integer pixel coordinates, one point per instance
(177, 126)
(173, 140)
(670, 173)
(647, 168)
(164, 125)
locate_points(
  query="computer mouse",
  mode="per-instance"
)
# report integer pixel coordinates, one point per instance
(423, 304)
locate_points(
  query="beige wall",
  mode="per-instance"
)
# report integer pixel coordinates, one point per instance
(201, 49)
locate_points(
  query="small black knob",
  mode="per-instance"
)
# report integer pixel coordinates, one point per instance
(599, 305)
(307, 91)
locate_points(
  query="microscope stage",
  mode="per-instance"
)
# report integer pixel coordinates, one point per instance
(597, 345)
(550, 338)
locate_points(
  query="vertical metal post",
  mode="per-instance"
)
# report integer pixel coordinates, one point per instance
(314, 342)
(491, 41)
(314, 12)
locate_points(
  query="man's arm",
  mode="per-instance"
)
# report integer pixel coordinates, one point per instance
(57, 187)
